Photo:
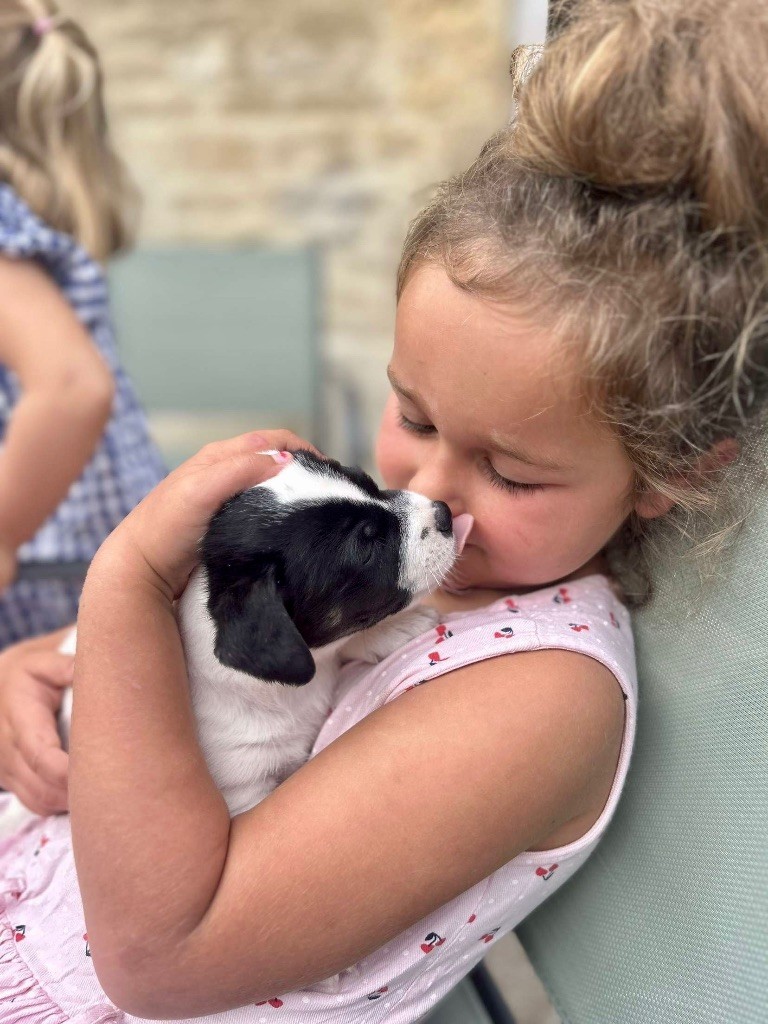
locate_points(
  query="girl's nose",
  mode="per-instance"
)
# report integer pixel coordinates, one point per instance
(437, 478)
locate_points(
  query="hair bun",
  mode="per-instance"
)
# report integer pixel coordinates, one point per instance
(657, 95)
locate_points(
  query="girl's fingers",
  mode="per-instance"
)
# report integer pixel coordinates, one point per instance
(37, 767)
(36, 795)
(204, 489)
(38, 740)
(51, 667)
(39, 744)
(215, 451)
(217, 472)
(164, 530)
(255, 441)
(213, 483)
(52, 767)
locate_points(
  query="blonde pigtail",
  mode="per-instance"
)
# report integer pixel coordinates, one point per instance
(54, 142)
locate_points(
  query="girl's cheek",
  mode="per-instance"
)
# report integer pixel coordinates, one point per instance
(391, 449)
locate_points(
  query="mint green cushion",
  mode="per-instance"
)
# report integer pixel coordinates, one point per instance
(668, 920)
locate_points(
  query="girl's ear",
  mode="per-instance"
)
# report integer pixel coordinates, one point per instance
(653, 503)
(254, 633)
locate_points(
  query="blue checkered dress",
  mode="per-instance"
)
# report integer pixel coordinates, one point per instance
(126, 465)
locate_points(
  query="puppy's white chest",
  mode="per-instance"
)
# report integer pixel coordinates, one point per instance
(253, 733)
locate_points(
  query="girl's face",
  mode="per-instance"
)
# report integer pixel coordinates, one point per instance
(485, 417)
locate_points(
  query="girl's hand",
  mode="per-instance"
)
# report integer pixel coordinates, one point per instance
(8, 566)
(159, 539)
(32, 762)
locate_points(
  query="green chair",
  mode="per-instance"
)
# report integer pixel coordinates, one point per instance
(667, 923)
(220, 341)
(475, 1000)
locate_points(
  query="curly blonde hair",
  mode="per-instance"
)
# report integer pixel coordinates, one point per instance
(55, 148)
(625, 207)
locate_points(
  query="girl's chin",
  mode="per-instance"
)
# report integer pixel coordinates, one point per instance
(473, 572)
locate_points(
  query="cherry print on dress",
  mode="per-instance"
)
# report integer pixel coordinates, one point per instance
(471, 918)
(414, 685)
(443, 633)
(511, 605)
(489, 936)
(431, 940)
(43, 841)
(277, 1003)
(546, 873)
(379, 992)
(562, 596)
(19, 932)
(504, 633)
(577, 627)
(434, 658)
(87, 944)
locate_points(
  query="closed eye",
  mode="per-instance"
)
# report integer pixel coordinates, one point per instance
(415, 428)
(511, 486)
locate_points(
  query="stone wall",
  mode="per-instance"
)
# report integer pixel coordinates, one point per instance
(322, 121)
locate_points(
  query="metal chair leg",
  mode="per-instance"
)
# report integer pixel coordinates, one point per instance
(489, 995)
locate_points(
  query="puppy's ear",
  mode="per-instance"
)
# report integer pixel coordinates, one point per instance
(254, 632)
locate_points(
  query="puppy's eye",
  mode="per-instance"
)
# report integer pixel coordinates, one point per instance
(368, 532)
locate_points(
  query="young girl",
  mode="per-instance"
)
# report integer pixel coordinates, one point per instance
(580, 338)
(75, 456)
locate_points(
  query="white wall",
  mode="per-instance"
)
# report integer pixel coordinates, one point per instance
(528, 21)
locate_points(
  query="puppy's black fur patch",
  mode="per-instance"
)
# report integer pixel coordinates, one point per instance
(287, 577)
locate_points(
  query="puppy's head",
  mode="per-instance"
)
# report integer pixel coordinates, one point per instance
(313, 555)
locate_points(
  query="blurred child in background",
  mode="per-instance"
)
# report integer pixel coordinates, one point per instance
(75, 455)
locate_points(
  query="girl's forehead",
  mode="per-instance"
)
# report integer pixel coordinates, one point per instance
(487, 376)
(451, 345)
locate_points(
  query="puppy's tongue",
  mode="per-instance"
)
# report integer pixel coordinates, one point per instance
(462, 527)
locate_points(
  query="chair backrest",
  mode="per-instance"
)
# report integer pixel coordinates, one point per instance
(667, 923)
(219, 341)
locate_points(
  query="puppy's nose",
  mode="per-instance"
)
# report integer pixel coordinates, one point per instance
(443, 518)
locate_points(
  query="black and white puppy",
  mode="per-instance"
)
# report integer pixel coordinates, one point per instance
(314, 567)
(291, 570)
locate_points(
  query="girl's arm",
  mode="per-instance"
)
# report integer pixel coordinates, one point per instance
(66, 398)
(188, 913)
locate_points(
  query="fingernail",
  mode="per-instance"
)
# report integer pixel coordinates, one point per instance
(279, 457)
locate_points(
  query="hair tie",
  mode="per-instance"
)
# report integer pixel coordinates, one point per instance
(42, 26)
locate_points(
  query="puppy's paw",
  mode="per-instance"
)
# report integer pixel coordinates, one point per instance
(417, 619)
(377, 643)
